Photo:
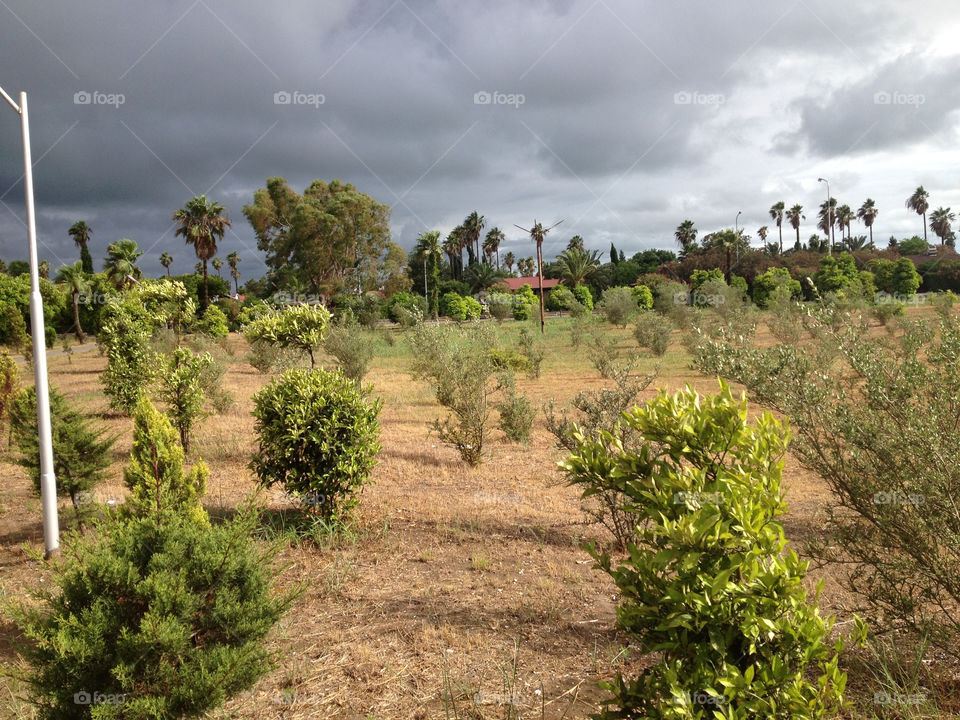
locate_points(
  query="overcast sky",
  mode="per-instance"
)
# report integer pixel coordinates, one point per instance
(622, 118)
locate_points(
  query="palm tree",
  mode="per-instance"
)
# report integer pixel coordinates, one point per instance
(430, 252)
(827, 213)
(526, 266)
(472, 227)
(451, 246)
(458, 239)
(77, 284)
(121, 262)
(856, 243)
(940, 220)
(575, 243)
(867, 214)
(482, 276)
(918, 202)
(233, 260)
(509, 259)
(217, 264)
(685, 234)
(577, 265)
(166, 259)
(491, 243)
(762, 232)
(843, 219)
(81, 232)
(202, 224)
(537, 233)
(795, 215)
(776, 214)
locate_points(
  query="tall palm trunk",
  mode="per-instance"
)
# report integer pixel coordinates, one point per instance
(206, 290)
(540, 275)
(780, 228)
(76, 317)
(728, 266)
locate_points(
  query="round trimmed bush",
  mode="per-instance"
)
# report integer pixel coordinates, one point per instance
(213, 323)
(644, 296)
(582, 293)
(318, 435)
(453, 306)
(472, 308)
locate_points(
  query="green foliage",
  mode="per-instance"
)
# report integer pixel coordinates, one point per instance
(472, 308)
(298, 326)
(652, 332)
(367, 307)
(739, 283)
(524, 303)
(13, 328)
(318, 438)
(453, 306)
(767, 283)
(155, 617)
(582, 293)
(643, 295)
(598, 417)
(81, 454)
(181, 388)
(507, 359)
(531, 347)
(352, 350)
(406, 301)
(213, 323)
(912, 246)
(9, 387)
(458, 361)
(699, 277)
(131, 365)
(905, 280)
(875, 418)
(516, 413)
(619, 304)
(714, 593)
(155, 474)
(560, 297)
(837, 273)
(884, 312)
(500, 305)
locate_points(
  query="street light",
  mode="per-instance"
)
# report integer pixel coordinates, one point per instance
(736, 231)
(48, 483)
(829, 217)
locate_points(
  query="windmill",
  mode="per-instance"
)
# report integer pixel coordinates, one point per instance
(538, 233)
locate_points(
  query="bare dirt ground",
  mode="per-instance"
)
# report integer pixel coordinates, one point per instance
(450, 576)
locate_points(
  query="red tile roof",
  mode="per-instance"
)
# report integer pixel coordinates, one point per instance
(515, 283)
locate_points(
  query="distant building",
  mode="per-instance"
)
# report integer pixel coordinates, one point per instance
(515, 283)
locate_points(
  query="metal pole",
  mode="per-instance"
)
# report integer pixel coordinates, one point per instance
(48, 485)
(829, 218)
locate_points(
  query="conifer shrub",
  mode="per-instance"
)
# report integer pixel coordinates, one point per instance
(716, 595)
(318, 438)
(81, 454)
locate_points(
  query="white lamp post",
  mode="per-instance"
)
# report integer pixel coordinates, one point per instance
(48, 484)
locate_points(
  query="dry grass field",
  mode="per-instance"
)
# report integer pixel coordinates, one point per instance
(457, 582)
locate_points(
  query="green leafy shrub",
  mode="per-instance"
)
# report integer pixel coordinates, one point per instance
(653, 332)
(459, 364)
(874, 416)
(453, 306)
(508, 359)
(715, 595)
(643, 296)
(299, 326)
(351, 349)
(156, 617)
(181, 388)
(213, 323)
(884, 312)
(155, 474)
(472, 308)
(531, 347)
(81, 454)
(559, 298)
(131, 364)
(767, 283)
(522, 310)
(582, 294)
(500, 305)
(516, 413)
(13, 328)
(619, 305)
(9, 387)
(411, 302)
(318, 438)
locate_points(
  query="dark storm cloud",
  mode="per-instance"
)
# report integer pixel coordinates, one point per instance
(607, 112)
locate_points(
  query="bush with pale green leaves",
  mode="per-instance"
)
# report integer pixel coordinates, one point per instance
(213, 323)
(301, 327)
(719, 597)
